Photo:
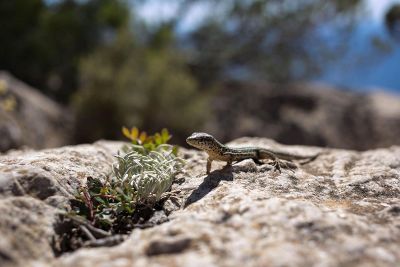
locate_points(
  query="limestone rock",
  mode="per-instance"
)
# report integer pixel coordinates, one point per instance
(342, 209)
(26, 229)
(34, 189)
(28, 118)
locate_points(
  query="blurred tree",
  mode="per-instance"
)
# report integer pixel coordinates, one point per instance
(146, 79)
(144, 84)
(392, 20)
(274, 40)
(42, 41)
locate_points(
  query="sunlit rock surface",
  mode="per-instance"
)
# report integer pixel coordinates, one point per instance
(342, 209)
(34, 188)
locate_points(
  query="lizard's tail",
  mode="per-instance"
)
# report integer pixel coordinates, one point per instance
(286, 156)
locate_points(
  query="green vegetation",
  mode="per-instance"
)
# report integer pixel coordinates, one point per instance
(104, 61)
(268, 40)
(42, 41)
(148, 143)
(144, 171)
(132, 84)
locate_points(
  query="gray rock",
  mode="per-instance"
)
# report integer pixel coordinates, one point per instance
(26, 229)
(307, 114)
(28, 118)
(342, 209)
(34, 190)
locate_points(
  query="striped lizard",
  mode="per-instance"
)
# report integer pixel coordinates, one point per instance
(218, 151)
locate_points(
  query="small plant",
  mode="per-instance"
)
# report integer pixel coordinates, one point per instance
(144, 171)
(149, 174)
(146, 142)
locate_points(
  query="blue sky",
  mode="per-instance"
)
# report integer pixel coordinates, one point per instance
(382, 71)
(377, 71)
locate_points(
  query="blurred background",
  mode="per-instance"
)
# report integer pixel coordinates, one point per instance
(311, 72)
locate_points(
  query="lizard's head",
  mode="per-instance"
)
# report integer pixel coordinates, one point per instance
(202, 141)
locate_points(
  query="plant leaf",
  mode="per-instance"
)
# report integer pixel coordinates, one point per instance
(126, 133)
(134, 133)
(143, 137)
(165, 135)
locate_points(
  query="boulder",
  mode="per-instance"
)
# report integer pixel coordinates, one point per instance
(30, 119)
(35, 187)
(341, 209)
(308, 114)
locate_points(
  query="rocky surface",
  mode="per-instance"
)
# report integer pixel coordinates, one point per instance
(34, 188)
(28, 118)
(342, 209)
(307, 114)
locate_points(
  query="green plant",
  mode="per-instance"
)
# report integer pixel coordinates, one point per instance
(149, 164)
(132, 84)
(149, 173)
(144, 171)
(146, 142)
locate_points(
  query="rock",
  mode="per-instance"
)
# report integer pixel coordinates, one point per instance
(28, 118)
(342, 209)
(34, 190)
(307, 114)
(26, 229)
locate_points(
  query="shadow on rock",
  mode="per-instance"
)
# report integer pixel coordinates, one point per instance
(209, 183)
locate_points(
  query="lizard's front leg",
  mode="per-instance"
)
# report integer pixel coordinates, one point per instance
(209, 161)
(229, 158)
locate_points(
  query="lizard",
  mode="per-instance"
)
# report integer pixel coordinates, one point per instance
(218, 151)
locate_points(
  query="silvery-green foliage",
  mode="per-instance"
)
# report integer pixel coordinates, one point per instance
(149, 173)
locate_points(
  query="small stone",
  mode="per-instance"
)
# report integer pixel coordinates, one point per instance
(247, 165)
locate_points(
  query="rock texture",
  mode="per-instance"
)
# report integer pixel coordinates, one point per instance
(342, 209)
(34, 187)
(307, 114)
(28, 118)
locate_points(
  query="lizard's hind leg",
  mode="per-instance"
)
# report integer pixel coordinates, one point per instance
(288, 165)
(277, 165)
